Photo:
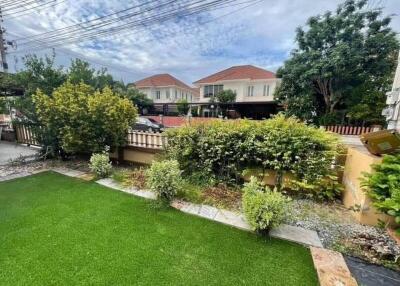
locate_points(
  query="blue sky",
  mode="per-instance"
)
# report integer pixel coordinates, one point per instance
(188, 48)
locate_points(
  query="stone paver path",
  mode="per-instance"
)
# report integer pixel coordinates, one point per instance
(285, 232)
(108, 182)
(69, 172)
(331, 268)
(297, 234)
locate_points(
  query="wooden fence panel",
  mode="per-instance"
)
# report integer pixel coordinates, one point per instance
(349, 130)
(26, 134)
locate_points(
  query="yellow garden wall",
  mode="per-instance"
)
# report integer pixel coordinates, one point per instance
(142, 156)
(359, 160)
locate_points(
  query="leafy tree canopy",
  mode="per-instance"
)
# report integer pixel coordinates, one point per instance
(82, 71)
(78, 119)
(226, 96)
(139, 99)
(338, 52)
(183, 106)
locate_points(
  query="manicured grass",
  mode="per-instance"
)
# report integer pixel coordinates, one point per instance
(56, 230)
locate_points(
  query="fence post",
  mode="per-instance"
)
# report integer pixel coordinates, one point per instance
(120, 154)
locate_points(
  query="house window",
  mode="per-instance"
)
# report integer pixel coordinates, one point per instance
(176, 94)
(266, 90)
(158, 94)
(212, 90)
(168, 95)
(250, 90)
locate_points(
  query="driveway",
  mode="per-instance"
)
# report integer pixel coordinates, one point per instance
(11, 151)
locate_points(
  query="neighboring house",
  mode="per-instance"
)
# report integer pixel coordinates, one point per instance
(254, 88)
(165, 90)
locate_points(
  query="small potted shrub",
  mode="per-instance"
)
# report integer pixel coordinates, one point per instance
(263, 208)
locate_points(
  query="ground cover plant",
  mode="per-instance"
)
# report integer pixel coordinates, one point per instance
(58, 230)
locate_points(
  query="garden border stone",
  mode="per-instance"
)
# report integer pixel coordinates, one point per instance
(285, 232)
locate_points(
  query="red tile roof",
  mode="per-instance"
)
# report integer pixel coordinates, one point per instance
(160, 80)
(238, 72)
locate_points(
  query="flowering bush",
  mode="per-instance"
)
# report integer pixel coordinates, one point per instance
(164, 178)
(100, 164)
(263, 208)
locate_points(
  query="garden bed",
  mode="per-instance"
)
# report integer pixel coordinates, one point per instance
(79, 232)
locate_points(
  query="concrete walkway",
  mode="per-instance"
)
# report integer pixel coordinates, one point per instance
(11, 151)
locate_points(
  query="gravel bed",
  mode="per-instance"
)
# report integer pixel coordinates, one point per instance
(338, 230)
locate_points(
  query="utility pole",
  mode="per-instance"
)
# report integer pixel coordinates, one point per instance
(3, 47)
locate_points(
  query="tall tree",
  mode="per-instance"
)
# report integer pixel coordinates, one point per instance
(224, 98)
(81, 71)
(338, 52)
(39, 73)
(139, 99)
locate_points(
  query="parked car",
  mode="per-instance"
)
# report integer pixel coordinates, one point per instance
(147, 124)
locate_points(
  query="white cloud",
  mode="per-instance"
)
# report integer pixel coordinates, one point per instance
(262, 35)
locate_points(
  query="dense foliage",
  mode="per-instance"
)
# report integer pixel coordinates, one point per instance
(344, 63)
(223, 149)
(100, 164)
(263, 208)
(139, 99)
(183, 106)
(224, 98)
(164, 178)
(383, 186)
(78, 119)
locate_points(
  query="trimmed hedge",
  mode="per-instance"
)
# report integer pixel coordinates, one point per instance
(223, 149)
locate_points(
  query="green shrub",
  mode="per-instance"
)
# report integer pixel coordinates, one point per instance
(223, 149)
(263, 208)
(78, 119)
(164, 178)
(327, 188)
(100, 164)
(383, 186)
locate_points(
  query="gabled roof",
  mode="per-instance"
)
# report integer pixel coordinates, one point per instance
(161, 80)
(238, 72)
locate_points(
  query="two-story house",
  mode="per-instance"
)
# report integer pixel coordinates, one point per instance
(165, 90)
(254, 88)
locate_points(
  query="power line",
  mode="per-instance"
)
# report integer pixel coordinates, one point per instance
(93, 31)
(33, 9)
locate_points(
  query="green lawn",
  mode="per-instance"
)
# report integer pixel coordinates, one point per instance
(55, 230)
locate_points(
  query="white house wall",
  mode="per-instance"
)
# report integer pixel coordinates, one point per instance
(181, 93)
(240, 87)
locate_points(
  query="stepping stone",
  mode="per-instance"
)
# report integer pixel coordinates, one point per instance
(233, 219)
(331, 268)
(191, 209)
(296, 234)
(87, 177)
(145, 194)
(15, 176)
(208, 212)
(107, 182)
(69, 172)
